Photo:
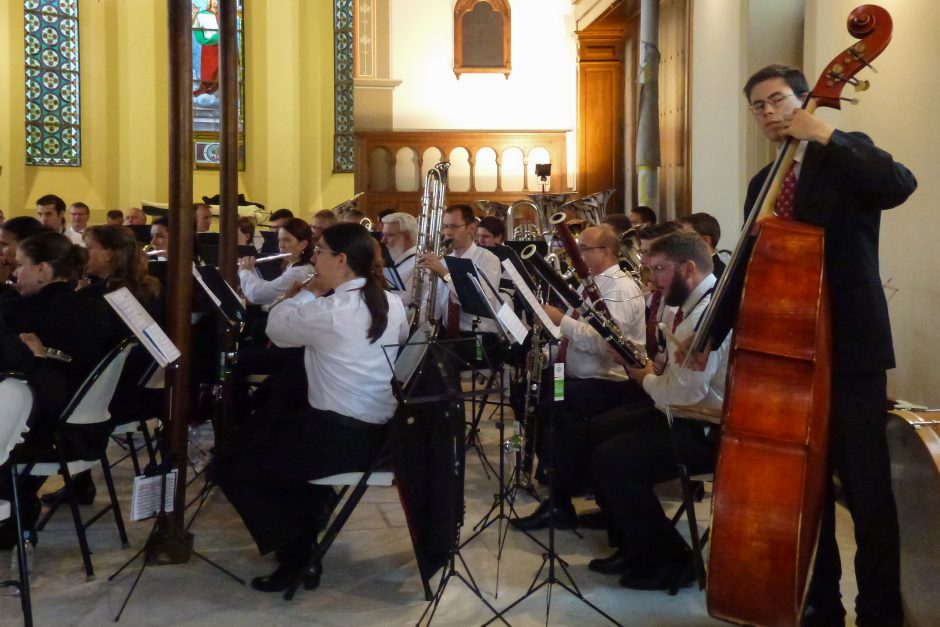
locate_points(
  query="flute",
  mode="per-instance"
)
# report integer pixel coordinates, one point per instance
(271, 258)
(280, 299)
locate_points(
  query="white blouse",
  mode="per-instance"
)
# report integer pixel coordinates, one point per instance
(345, 372)
(261, 292)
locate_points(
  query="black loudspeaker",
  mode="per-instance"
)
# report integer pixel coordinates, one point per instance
(543, 170)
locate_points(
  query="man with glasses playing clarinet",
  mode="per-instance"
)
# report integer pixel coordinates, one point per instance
(594, 382)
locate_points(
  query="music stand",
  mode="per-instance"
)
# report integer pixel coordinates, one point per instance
(428, 455)
(141, 232)
(468, 283)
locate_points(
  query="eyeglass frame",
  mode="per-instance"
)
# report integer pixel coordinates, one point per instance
(454, 226)
(317, 250)
(774, 101)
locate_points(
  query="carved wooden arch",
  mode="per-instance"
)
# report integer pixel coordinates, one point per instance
(468, 63)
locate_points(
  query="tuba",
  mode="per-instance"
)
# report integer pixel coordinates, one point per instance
(630, 257)
(592, 209)
(527, 232)
(433, 199)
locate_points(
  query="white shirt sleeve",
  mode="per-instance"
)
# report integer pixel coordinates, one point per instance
(298, 322)
(261, 292)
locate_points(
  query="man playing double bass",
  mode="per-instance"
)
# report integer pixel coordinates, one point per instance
(840, 182)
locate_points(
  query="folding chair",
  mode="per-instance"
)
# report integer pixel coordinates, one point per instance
(692, 489)
(88, 406)
(16, 403)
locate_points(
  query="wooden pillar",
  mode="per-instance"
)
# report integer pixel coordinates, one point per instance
(179, 273)
(228, 166)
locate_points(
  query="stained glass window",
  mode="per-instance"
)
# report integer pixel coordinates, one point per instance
(207, 105)
(53, 116)
(343, 140)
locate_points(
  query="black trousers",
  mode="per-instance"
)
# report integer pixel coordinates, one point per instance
(859, 454)
(572, 447)
(266, 476)
(627, 466)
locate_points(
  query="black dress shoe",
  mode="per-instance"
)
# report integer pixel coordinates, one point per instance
(616, 564)
(83, 487)
(671, 576)
(564, 515)
(279, 580)
(593, 520)
(817, 617)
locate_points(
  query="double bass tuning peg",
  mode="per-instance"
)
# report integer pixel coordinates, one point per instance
(853, 101)
(860, 85)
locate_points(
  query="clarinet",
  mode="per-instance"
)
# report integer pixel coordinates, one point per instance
(631, 353)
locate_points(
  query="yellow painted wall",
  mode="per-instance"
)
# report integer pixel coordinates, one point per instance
(123, 52)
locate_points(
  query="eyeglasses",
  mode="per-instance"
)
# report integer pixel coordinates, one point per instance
(659, 269)
(317, 250)
(774, 102)
(450, 227)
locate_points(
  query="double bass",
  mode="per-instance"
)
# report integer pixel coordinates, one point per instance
(772, 471)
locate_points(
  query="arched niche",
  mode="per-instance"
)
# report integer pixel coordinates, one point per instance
(459, 173)
(380, 166)
(429, 158)
(406, 170)
(485, 171)
(513, 170)
(482, 37)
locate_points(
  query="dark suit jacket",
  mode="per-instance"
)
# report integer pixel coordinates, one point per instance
(843, 187)
(65, 322)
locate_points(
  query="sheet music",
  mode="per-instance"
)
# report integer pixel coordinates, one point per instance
(157, 343)
(512, 323)
(145, 501)
(205, 288)
(533, 303)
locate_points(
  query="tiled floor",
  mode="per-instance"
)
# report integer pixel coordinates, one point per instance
(370, 575)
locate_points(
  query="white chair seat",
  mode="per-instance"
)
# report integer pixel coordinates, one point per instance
(4, 510)
(384, 478)
(50, 469)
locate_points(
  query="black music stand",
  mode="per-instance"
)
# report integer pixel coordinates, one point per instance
(430, 459)
(471, 286)
(550, 557)
(226, 302)
(167, 544)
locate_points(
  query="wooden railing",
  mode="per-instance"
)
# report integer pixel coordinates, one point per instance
(378, 154)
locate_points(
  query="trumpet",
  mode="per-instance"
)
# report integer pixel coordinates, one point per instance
(366, 222)
(154, 252)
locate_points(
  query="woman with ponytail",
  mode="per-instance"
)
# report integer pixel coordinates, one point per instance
(349, 403)
(49, 314)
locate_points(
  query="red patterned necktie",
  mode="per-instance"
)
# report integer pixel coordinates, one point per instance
(453, 319)
(677, 320)
(652, 329)
(563, 347)
(784, 207)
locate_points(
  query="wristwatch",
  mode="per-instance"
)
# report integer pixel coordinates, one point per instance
(446, 278)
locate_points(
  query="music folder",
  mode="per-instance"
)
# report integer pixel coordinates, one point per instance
(151, 336)
(220, 293)
(468, 282)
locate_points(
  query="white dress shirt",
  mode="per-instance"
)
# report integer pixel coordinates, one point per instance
(488, 264)
(683, 386)
(74, 236)
(587, 353)
(261, 292)
(345, 372)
